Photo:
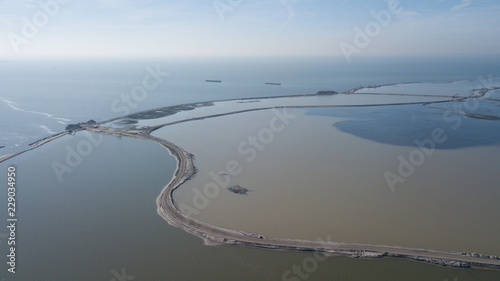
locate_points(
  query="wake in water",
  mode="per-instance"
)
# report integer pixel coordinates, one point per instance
(13, 105)
(27, 132)
(47, 129)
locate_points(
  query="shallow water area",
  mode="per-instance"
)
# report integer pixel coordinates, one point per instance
(403, 125)
(101, 220)
(495, 94)
(459, 88)
(311, 180)
(487, 109)
(100, 223)
(235, 106)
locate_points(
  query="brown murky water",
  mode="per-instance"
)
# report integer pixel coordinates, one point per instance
(101, 222)
(312, 180)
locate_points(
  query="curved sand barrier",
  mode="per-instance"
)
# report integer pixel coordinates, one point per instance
(214, 235)
(169, 210)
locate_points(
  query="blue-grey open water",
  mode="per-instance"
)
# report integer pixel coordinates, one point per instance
(39, 98)
(100, 221)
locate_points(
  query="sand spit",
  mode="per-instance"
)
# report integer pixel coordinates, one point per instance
(214, 235)
(33, 145)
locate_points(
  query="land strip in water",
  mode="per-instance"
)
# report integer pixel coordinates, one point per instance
(33, 145)
(214, 235)
(186, 169)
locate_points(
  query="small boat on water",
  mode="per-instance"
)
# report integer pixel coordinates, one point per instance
(213, 81)
(273, 83)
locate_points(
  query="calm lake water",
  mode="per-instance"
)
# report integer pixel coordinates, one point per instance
(317, 177)
(40, 97)
(224, 107)
(102, 219)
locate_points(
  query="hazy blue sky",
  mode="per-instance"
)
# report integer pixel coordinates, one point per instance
(245, 27)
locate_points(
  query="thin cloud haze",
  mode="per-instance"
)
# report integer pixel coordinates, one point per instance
(108, 28)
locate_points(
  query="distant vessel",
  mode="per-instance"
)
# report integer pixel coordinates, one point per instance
(272, 83)
(214, 81)
(326, 93)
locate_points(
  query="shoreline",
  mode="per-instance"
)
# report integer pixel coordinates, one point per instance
(246, 99)
(33, 145)
(213, 235)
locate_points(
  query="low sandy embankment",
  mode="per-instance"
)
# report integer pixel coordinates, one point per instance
(34, 145)
(214, 235)
(169, 210)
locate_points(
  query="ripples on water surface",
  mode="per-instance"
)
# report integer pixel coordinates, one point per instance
(102, 217)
